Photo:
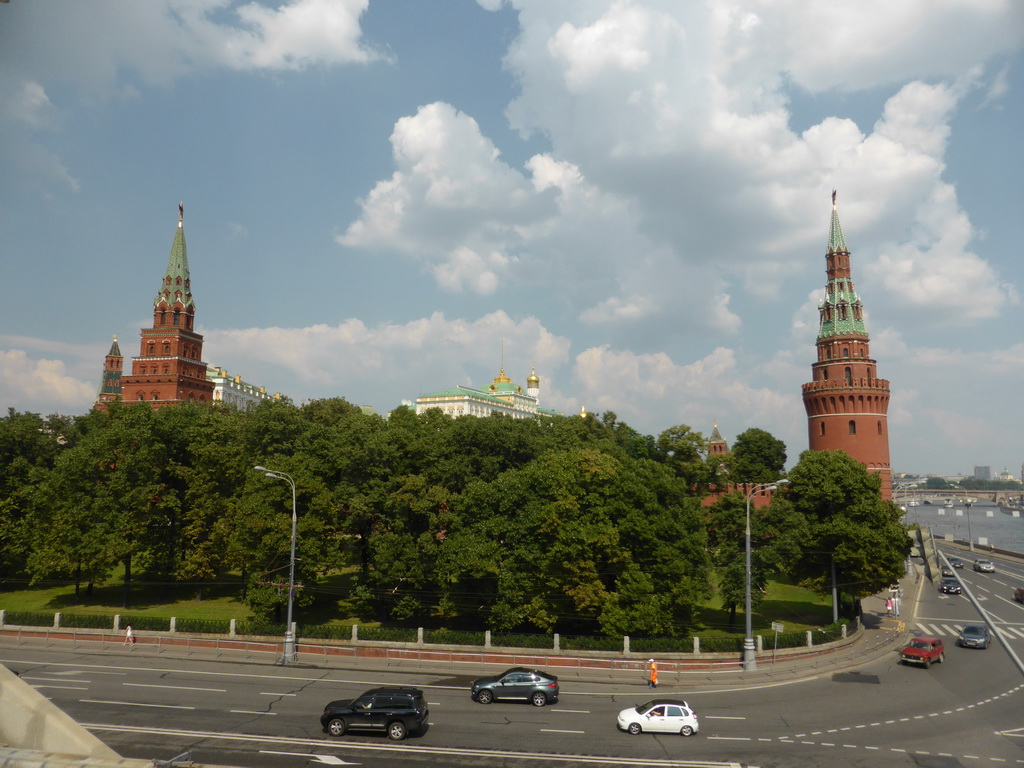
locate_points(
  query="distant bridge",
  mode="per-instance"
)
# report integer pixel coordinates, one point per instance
(960, 497)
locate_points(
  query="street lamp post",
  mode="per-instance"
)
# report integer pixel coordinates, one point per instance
(749, 652)
(970, 538)
(289, 656)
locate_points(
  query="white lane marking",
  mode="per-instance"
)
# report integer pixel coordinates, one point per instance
(326, 759)
(724, 717)
(62, 687)
(556, 730)
(55, 679)
(175, 687)
(132, 704)
(575, 711)
(271, 693)
(730, 738)
(250, 712)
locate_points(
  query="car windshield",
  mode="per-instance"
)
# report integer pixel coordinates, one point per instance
(920, 644)
(973, 630)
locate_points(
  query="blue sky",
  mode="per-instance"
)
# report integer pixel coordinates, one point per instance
(634, 197)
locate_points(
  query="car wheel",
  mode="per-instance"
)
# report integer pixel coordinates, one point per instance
(942, 657)
(539, 699)
(336, 727)
(687, 730)
(927, 663)
(634, 728)
(485, 697)
(397, 730)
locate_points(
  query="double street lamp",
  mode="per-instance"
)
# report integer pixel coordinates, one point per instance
(289, 656)
(749, 651)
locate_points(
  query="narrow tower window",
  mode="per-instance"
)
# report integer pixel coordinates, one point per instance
(821, 428)
(853, 427)
(848, 375)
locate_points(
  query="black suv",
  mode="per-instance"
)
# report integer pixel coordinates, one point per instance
(517, 683)
(397, 711)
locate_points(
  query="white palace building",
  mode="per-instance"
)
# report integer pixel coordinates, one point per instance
(501, 396)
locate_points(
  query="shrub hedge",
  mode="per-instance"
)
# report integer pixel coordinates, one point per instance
(84, 621)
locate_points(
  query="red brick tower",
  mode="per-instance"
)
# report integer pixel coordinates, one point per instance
(110, 384)
(716, 443)
(846, 402)
(169, 368)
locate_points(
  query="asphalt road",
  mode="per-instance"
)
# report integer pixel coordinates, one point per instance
(968, 711)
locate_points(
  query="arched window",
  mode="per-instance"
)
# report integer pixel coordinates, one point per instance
(853, 427)
(848, 375)
(824, 373)
(879, 426)
(846, 351)
(821, 428)
(151, 348)
(177, 317)
(167, 347)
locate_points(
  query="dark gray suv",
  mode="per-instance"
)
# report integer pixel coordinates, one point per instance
(395, 711)
(517, 684)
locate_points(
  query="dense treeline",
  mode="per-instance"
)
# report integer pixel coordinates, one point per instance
(971, 484)
(567, 524)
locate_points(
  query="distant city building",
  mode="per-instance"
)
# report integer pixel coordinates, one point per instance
(846, 402)
(982, 473)
(231, 390)
(501, 396)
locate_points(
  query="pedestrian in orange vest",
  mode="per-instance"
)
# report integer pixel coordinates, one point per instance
(652, 677)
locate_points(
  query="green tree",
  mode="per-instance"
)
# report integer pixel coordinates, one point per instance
(685, 452)
(756, 457)
(848, 525)
(29, 448)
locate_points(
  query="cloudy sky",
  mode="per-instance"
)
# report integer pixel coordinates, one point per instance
(382, 197)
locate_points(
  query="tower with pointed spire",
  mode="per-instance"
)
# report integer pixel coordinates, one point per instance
(716, 443)
(110, 382)
(169, 368)
(846, 402)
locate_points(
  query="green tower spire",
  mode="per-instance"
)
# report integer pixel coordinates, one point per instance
(176, 285)
(836, 243)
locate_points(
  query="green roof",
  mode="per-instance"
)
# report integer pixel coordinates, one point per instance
(176, 278)
(836, 242)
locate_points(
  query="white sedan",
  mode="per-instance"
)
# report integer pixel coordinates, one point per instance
(660, 716)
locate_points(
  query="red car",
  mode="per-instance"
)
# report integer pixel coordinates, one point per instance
(924, 651)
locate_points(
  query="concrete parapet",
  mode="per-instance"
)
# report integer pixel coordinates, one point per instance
(32, 722)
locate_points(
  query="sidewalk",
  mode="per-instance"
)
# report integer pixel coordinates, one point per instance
(880, 636)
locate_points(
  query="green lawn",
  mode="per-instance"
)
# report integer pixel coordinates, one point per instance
(795, 607)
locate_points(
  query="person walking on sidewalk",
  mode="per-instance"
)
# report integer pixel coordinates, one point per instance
(652, 674)
(888, 606)
(896, 604)
(129, 636)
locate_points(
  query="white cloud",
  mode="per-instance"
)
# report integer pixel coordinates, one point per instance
(27, 384)
(714, 387)
(27, 102)
(352, 358)
(106, 44)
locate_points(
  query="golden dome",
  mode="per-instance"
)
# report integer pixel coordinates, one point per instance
(533, 381)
